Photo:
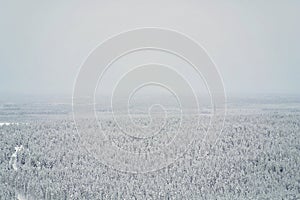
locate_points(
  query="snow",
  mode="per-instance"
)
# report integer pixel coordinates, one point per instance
(11, 123)
(4, 123)
(13, 159)
(20, 197)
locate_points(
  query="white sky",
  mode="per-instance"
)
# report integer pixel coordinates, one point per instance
(255, 44)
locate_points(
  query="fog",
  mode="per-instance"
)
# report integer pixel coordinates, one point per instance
(255, 44)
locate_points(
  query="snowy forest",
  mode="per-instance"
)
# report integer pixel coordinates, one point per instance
(257, 156)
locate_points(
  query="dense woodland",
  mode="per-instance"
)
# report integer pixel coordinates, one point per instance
(256, 157)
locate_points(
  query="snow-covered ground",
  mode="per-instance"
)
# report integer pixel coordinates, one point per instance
(14, 157)
(21, 196)
(7, 123)
(12, 123)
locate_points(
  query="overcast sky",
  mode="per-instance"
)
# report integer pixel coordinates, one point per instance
(255, 44)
